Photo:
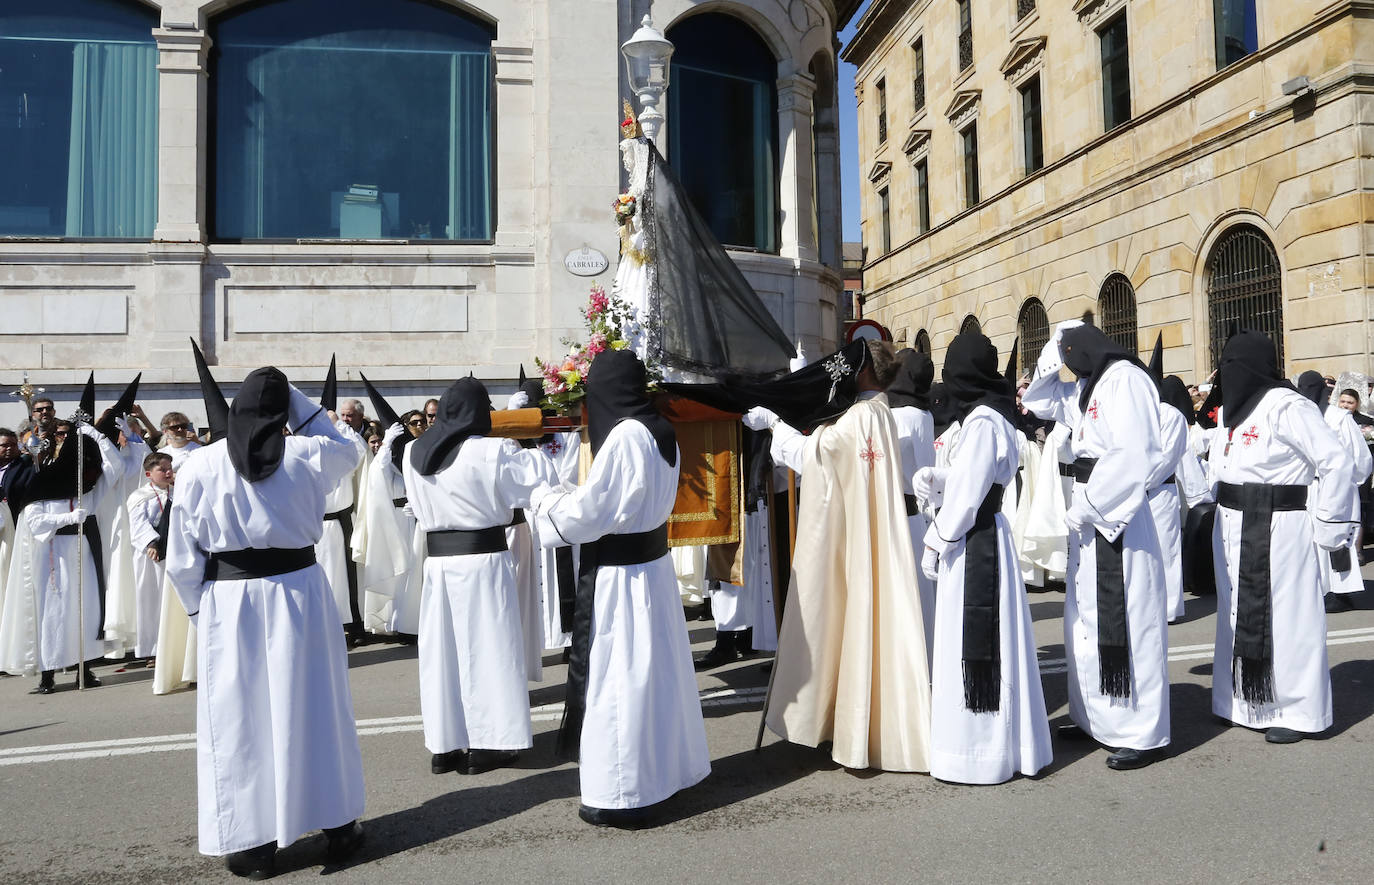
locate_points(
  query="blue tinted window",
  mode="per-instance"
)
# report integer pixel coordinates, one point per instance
(353, 119)
(78, 118)
(722, 127)
(1237, 30)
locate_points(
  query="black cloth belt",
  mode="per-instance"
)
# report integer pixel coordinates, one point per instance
(1113, 631)
(400, 502)
(344, 518)
(517, 518)
(1083, 469)
(565, 574)
(257, 562)
(1340, 560)
(912, 508)
(1066, 470)
(91, 531)
(628, 549)
(1245, 496)
(982, 645)
(1252, 653)
(465, 542)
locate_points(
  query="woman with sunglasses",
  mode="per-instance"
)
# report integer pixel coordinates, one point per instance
(179, 437)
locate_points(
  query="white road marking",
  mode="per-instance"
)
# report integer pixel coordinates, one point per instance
(718, 697)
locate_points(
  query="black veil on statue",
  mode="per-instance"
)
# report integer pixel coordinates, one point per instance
(704, 317)
(820, 392)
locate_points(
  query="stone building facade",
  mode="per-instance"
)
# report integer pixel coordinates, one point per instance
(1159, 162)
(397, 181)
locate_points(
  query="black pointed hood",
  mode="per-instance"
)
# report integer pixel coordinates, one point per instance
(1156, 365)
(1009, 372)
(329, 397)
(1249, 368)
(533, 388)
(1313, 386)
(216, 407)
(386, 415)
(972, 379)
(1174, 392)
(464, 411)
(87, 403)
(911, 387)
(257, 418)
(1088, 352)
(121, 409)
(617, 389)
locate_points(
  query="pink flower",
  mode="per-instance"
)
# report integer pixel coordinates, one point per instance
(598, 303)
(597, 344)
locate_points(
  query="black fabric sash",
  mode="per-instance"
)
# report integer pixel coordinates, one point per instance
(627, 549)
(400, 502)
(257, 562)
(1252, 654)
(982, 589)
(345, 520)
(1340, 560)
(466, 542)
(1066, 470)
(163, 529)
(1113, 631)
(567, 586)
(92, 535)
(912, 508)
(517, 518)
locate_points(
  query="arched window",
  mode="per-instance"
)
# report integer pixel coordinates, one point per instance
(923, 342)
(78, 88)
(351, 119)
(723, 125)
(970, 325)
(1244, 288)
(1033, 331)
(1116, 310)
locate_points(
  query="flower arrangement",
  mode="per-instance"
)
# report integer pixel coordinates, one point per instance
(625, 207)
(565, 379)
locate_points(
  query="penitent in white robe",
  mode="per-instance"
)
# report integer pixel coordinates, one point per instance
(563, 451)
(277, 745)
(1120, 428)
(388, 548)
(1283, 441)
(121, 586)
(332, 552)
(145, 509)
(852, 663)
(916, 438)
(1165, 507)
(472, 644)
(968, 747)
(1348, 432)
(643, 736)
(1044, 535)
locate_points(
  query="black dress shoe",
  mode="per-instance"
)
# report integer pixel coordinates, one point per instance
(344, 842)
(44, 688)
(255, 863)
(722, 653)
(1127, 759)
(1338, 602)
(443, 763)
(1278, 735)
(91, 681)
(482, 761)
(1072, 732)
(620, 818)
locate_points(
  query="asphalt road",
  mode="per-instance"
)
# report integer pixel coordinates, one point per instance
(100, 787)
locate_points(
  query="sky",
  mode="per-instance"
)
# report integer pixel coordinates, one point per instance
(849, 138)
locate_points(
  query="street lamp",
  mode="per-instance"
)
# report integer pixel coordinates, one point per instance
(646, 62)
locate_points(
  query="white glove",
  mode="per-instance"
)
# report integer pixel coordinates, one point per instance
(930, 563)
(89, 430)
(76, 517)
(1332, 535)
(923, 483)
(1075, 519)
(759, 418)
(518, 400)
(542, 498)
(129, 433)
(392, 434)
(408, 510)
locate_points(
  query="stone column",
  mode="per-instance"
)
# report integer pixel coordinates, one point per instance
(178, 249)
(798, 175)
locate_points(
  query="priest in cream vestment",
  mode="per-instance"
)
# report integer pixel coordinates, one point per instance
(851, 662)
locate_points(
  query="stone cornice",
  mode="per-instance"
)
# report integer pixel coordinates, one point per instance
(878, 23)
(916, 144)
(879, 171)
(1093, 12)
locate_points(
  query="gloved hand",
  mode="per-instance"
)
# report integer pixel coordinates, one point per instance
(930, 563)
(392, 434)
(518, 400)
(543, 498)
(759, 418)
(1076, 518)
(76, 517)
(928, 483)
(123, 424)
(89, 430)
(408, 510)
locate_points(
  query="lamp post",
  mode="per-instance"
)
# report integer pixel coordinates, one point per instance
(647, 54)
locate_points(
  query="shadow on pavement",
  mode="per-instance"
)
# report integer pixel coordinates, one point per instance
(1352, 695)
(1196, 608)
(380, 654)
